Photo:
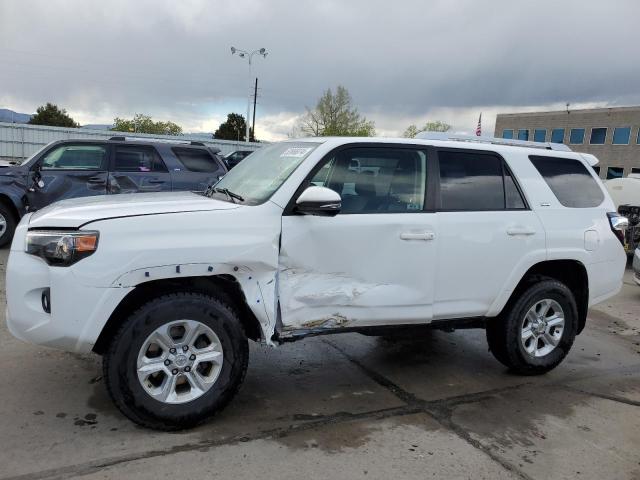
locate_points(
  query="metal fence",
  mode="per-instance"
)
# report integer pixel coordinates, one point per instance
(19, 141)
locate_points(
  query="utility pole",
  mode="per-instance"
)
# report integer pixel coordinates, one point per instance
(248, 56)
(255, 97)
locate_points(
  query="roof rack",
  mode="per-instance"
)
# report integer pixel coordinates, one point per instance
(492, 140)
(120, 138)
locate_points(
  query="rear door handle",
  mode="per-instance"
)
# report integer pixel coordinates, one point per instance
(417, 236)
(520, 231)
(156, 180)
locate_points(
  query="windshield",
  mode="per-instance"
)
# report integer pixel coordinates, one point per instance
(260, 174)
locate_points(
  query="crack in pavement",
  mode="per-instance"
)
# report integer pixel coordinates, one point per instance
(441, 410)
(604, 396)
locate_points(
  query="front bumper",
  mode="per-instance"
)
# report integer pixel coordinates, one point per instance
(78, 312)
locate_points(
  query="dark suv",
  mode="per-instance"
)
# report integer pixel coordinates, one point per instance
(80, 168)
(234, 158)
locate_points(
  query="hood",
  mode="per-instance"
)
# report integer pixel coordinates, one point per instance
(75, 212)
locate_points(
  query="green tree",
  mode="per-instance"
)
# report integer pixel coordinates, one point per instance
(334, 115)
(144, 124)
(436, 126)
(50, 114)
(234, 128)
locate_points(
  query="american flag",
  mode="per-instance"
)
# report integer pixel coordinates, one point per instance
(479, 127)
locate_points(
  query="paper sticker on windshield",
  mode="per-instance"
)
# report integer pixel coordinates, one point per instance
(296, 152)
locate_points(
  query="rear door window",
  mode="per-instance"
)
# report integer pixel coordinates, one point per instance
(137, 159)
(197, 160)
(476, 181)
(569, 180)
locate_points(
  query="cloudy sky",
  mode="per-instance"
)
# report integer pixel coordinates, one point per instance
(404, 61)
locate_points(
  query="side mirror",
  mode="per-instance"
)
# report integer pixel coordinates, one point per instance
(319, 201)
(37, 177)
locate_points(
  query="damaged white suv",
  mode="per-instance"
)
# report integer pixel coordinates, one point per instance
(316, 236)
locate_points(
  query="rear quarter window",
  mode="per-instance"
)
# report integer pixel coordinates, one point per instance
(197, 160)
(570, 181)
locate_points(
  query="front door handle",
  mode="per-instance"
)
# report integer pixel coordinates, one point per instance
(520, 231)
(97, 180)
(417, 236)
(156, 180)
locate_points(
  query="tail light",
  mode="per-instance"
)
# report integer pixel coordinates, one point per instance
(618, 225)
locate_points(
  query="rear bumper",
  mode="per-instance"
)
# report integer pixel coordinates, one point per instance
(605, 278)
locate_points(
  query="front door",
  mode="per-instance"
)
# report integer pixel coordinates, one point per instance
(138, 168)
(68, 171)
(372, 264)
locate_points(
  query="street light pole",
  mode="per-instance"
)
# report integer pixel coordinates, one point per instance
(249, 57)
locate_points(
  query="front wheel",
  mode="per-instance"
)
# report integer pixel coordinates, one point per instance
(176, 361)
(537, 330)
(7, 225)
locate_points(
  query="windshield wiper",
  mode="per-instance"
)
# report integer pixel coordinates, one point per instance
(230, 195)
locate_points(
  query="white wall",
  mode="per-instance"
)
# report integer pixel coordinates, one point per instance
(19, 141)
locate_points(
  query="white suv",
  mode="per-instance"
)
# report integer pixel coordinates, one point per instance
(517, 239)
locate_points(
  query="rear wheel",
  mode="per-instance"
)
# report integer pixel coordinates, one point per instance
(535, 332)
(7, 225)
(176, 361)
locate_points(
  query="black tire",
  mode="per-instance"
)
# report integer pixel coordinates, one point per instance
(120, 369)
(504, 332)
(10, 222)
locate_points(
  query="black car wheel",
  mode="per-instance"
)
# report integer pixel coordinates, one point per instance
(7, 225)
(537, 329)
(176, 361)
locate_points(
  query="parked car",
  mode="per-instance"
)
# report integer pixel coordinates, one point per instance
(235, 157)
(168, 287)
(636, 266)
(82, 168)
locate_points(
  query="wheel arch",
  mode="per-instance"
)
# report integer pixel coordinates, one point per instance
(10, 203)
(224, 285)
(572, 273)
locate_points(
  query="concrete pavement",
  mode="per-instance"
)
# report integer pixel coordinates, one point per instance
(347, 406)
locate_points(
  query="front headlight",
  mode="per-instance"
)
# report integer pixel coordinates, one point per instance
(61, 248)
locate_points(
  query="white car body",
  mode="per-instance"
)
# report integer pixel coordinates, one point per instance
(307, 273)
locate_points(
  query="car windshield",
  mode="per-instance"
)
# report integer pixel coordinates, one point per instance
(260, 174)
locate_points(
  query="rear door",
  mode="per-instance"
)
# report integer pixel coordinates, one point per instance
(68, 171)
(487, 232)
(198, 169)
(137, 168)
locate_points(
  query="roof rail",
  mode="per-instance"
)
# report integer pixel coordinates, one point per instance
(122, 138)
(492, 140)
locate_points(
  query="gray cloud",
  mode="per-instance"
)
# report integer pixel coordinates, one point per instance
(402, 61)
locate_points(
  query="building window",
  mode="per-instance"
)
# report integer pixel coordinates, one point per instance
(576, 136)
(621, 135)
(507, 133)
(557, 135)
(539, 135)
(523, 134)
(614, 172)
(598, 136)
